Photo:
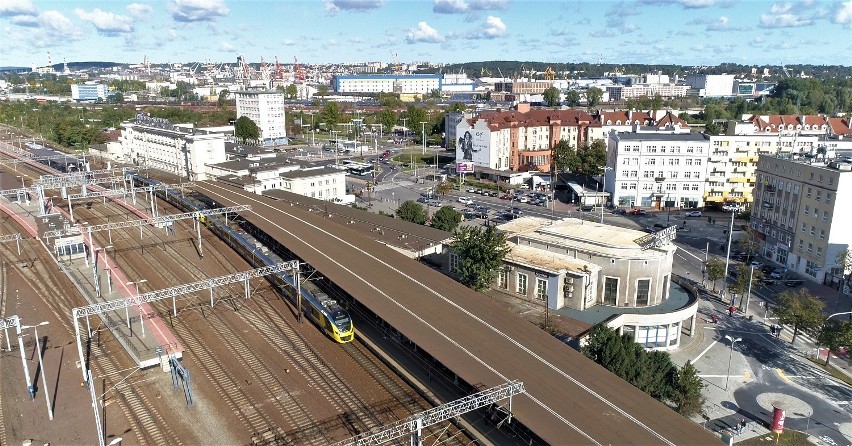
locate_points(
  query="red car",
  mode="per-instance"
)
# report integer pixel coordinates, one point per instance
(505, 197)
(638, 212)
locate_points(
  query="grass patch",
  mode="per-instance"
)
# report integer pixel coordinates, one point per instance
(787, 438)
(831, 370)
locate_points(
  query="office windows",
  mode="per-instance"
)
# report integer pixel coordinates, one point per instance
(521, 286)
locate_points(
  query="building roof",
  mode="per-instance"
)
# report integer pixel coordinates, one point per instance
(840, 126)
(390, 231)
(669, 119)
(612, 241)
(240, 164)
(497, 120)
(309, 173)
(662, 136)
(548, 261)
(238, 180)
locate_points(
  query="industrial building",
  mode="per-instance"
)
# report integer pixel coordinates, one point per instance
(388, 83)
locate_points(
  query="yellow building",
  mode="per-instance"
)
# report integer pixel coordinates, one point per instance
(732, 164)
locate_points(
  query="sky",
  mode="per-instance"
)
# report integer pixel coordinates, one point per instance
(684, 32)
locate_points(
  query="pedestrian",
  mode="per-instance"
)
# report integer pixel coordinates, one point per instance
(743, 425)
(731, 310)
(777, 331)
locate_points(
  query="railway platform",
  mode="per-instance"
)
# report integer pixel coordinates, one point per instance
(140, 331)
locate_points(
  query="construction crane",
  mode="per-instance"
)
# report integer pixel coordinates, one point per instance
(279, 70)
(549, 74)
(299, 72)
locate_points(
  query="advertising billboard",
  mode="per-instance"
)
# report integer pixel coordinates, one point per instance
(778, 416)
(464, 166)
(473, 145)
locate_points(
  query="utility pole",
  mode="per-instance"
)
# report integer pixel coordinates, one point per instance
(423, 124)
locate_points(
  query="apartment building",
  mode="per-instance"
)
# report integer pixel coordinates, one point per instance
(667, 91)
(801, 211)
(258, 176)
(733, 162)
(266, 109)
(181, 149)
(521, 139)
(656, 170)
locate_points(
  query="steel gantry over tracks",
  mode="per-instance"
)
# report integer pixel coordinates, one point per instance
(568, 399)
(173, 292)
(414, 424)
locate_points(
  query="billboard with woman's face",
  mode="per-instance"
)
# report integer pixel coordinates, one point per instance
(472, 145)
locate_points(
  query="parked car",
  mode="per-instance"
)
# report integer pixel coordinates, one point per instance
(755, 264)
(619, 211)
(471, 190)
(766, 269)
(638, 212)
(465, 200)
(422, 200)
(492, 194)
(660, 226)
(693, 214)
(776, 275)
(794, 282)
(523, 199)
(586, 208)
(516, 211)
(506, 197)
(767, 281)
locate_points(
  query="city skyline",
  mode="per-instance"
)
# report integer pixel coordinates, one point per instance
(681, 32)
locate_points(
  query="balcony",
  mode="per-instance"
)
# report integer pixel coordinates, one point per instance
(740, 179)
(744, 159)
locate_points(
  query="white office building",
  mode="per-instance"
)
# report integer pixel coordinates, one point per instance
(266, 109)
(178, 149)
(711, 85)
(90, 91)
(388, 83)
(656, 170)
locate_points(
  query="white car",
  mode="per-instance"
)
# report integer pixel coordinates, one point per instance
(693, 214)
(465, 200)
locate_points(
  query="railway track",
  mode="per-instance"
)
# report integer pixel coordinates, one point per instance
(359, 415)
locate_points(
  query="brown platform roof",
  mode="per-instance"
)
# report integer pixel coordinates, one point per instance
(569, 399)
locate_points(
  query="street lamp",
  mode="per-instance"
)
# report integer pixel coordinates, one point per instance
(748, 294)
(423, 125)
(730, 355)
(728, 256)
(41, 364)
(137, 284)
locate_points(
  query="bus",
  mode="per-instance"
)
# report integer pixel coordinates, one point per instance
(360, 169)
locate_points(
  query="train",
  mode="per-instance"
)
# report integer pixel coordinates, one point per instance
(326, 313)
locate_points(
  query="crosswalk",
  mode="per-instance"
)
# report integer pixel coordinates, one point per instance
(392, 185)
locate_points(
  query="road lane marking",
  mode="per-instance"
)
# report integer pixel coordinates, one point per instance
(705, 351)
(783, 376)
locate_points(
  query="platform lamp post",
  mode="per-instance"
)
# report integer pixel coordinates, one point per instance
(730, 355)
(41, 365)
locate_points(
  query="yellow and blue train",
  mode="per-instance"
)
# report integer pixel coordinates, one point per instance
(317, 306)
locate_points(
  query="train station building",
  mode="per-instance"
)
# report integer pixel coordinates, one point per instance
(599, 273)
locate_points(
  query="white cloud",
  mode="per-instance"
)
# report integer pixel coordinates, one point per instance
(106, 22)
(449, 7)
(332, 7)
(844, 14)
(423, 33)
(48, 29)
(488, 5)
(783, 21)
(197, 10)
(723, 24)
(494, 27)
(225, 46)
(17, 7)
(602, 33)
(697, 3)
(139, 10)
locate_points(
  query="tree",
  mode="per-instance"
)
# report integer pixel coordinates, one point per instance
(656, 103)
(291, 91)
(412, 211)
(565, 157)
(711, 128)
(740, 285)
(551, 96)
(572, 97)
(687, 396)
(800, 309)
(446, 219)
(481, 254)
(223, 97)
(387, 117)
(330, 114)
(322, 91)
(833, 335)
(594, 96)
(844, 260)
(444, 188)
(415, 115)
(245, 129)
(116, 97)
(457, 107)
(715, 270)
(591, 158)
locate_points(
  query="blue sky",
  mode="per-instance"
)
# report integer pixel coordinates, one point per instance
(688, 32)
